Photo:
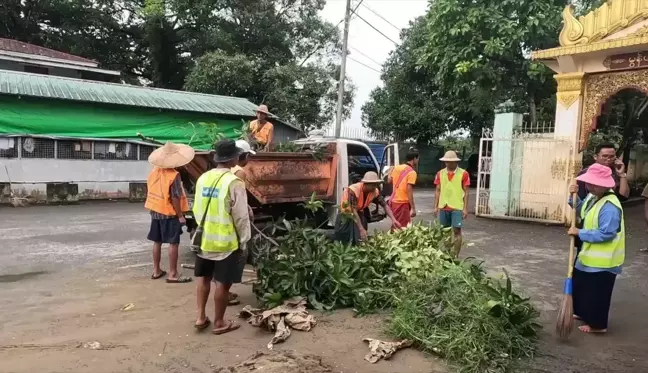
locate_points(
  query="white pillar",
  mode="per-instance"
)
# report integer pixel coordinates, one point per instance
(569, 106)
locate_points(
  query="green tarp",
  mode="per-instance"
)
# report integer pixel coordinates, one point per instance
(30, 116)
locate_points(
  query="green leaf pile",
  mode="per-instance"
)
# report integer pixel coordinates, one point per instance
(448, 307)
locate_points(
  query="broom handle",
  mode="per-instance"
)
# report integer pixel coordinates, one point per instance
(572, 239)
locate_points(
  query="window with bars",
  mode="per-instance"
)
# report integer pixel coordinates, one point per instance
(72, 149)
(115, 150)
(33, 147)
(9, 147)
(145, 151)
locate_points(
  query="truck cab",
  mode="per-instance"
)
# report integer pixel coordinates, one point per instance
(354, 159)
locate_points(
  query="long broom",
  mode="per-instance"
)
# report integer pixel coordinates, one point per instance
(565, 321)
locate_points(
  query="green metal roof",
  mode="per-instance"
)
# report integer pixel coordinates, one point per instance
(47, 86)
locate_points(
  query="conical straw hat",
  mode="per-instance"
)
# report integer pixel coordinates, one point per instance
(171, 155)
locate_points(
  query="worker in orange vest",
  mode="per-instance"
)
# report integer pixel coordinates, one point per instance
(262, 130)
(351, 222)
(167, 202)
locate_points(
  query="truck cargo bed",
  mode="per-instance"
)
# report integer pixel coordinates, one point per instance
(275, 178)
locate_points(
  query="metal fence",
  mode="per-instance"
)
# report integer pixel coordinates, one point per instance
(524, 176)
(78, 149)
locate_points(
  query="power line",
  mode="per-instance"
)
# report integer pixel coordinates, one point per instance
(336, 26)
(369, 58)
(364, 64)
(374, 27)
(381, 17)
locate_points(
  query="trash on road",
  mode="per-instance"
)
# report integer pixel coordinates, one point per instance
(383, 350)
(292, 314)
(95, 345)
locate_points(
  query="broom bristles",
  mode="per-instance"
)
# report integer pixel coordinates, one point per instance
(565, 321)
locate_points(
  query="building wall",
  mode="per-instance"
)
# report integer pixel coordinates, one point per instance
(56, 71)
(94, 179)
(48, 170)
(283, 134)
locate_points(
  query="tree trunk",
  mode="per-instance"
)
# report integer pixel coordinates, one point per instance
(533, 113)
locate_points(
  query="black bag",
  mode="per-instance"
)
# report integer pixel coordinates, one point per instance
(196, 239)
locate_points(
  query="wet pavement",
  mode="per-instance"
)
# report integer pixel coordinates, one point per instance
(45, 243)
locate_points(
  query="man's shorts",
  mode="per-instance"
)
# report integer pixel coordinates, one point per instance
(452, 218)
(165, 230)
(227, 271)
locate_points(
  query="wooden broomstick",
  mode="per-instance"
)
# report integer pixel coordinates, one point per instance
(565, 321)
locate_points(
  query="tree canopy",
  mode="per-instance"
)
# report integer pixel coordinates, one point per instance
(461, 60)
(277, 52)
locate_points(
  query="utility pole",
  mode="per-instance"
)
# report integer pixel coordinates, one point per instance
(345, 40)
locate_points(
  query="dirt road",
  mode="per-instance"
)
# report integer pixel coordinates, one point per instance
(65, 272)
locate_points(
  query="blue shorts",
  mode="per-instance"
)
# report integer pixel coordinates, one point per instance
(165, 230)
(452, 218)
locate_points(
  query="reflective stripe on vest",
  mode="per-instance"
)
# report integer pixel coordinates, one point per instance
(358, 191)
(158, 193)
(452, 192)
(219, 232)
(608, 254)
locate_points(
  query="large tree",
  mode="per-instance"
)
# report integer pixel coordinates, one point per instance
(280, 53)
(410, 104)
(286, 48)
(483, 46)
(462, 60)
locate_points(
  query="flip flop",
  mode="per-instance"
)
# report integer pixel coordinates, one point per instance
(162, 274)
(179, 280)
(203, 326)
(233, 302)
(229, 328)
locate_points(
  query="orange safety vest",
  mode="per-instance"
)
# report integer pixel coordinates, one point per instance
(261, 133)
(158, 196)
(358, 190)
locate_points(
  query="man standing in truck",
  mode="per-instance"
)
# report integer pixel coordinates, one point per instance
(403, 179)
(351, 222)
(261, 130)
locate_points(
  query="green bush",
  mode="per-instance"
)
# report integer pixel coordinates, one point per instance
(447, 307)
(329, 274)
(474, 322)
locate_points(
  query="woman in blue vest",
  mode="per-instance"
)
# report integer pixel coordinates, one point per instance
(603, 251)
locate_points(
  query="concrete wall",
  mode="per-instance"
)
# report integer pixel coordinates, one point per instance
(95, 179)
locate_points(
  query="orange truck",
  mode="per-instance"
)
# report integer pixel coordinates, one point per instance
(280, 183)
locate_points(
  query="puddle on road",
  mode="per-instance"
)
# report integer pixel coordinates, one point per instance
(20, 276)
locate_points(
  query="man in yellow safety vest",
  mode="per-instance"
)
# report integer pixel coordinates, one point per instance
(451, 197)
(221, 208)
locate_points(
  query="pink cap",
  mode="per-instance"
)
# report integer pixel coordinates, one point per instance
(598, 175)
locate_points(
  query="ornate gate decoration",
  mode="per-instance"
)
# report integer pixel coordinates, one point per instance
(524, 176)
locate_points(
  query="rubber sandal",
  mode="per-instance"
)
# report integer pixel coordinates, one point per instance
(230, 328)
(233, 302)
(203, 326)
(162, 274)
(179, 280)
